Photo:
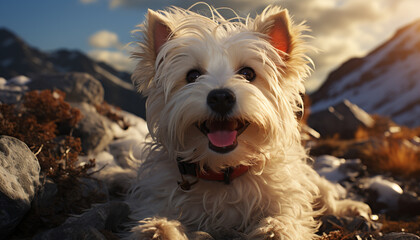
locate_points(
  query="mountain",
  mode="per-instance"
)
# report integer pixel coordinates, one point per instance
(385, 82)
(18, 58)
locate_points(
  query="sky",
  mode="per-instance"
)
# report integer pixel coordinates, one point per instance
(102, 28)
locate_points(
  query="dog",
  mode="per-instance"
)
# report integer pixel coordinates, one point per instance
(222, 102)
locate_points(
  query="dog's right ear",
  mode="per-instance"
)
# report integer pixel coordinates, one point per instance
(157, 30)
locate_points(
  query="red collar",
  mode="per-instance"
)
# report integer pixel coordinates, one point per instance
(226, 175)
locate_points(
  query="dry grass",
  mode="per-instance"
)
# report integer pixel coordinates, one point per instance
(395, 156)
(44, 121)
(390, 148)
(401, 226)
(345, 235)
(112, 113)
(384, 148)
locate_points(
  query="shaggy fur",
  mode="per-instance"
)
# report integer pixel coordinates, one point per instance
(280, 196)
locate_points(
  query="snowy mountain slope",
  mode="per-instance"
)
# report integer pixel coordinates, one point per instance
(18, 58)
(385, 82)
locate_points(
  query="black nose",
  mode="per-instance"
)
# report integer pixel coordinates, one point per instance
(221, 100)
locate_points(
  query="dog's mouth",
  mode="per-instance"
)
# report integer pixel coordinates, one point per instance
(223, 134)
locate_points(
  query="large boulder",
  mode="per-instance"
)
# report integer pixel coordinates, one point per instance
(19, 180)
(343, 119)
(91, 224)
(79, 87)
(93, 129)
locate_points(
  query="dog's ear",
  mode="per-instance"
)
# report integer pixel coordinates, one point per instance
(276, 24)
(157, 30)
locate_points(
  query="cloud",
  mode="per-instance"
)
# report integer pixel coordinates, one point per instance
(237, 5)
(346, 29)
(88, 1)
(104, 39)
(342, 29)
(118, 59)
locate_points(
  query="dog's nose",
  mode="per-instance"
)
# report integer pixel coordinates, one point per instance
(221, 100)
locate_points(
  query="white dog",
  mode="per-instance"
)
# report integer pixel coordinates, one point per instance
(221, 110)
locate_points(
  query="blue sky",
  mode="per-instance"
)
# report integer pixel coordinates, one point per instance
(100, 28)
(53, 24)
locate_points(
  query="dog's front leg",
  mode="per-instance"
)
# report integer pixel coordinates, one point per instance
(280, 228)
(158, 229)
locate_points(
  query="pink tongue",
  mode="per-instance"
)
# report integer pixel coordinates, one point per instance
(222, 138)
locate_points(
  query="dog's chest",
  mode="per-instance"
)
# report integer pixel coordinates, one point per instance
(213, 205)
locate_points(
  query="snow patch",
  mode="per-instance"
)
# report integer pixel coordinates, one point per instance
(3, 82)
(335, 169)
(19, 80)
(113, 78)
(389, 192)
(117, 165)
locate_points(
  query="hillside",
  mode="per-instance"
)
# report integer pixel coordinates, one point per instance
(18, 58)
(385, 82)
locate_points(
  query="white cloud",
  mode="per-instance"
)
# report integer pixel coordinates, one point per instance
(342, 28)
(118, 59)
(237, 5)
(88, 1)
(104, 39)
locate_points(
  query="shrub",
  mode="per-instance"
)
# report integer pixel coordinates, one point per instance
(44, 121)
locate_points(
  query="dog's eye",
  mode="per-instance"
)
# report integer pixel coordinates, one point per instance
(192, 75)
(248, 73)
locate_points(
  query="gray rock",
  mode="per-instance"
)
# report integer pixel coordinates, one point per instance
(89, 225)
(343, 119)
(19, 179)
(10, 96)
(348, 224)
(93, 129)
(91, 186)
(79, 87)
(46, 194)
(399, 236)
(409, 204)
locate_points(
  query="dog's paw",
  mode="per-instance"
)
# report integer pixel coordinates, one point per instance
(158, 229)
(269, 229)
(350, 208)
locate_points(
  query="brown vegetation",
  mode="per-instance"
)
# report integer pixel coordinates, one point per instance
(111, 113)
(44, 121)
(386, 147)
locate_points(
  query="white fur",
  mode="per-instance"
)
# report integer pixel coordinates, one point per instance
(276, 198)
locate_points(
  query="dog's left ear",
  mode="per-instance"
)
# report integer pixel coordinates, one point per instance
(276, 24)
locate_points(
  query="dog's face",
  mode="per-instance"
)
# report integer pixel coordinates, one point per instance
(222, 93)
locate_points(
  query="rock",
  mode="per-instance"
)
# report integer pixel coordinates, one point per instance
(409, 204)
(19, 179)
(93, 129)
(338, 169)
(8, 96)
(79, 87)
(46, 194)
(399, 236)
(348, 224)
(388, 192)
(343, 119)
(90, 224)
(93, 187)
